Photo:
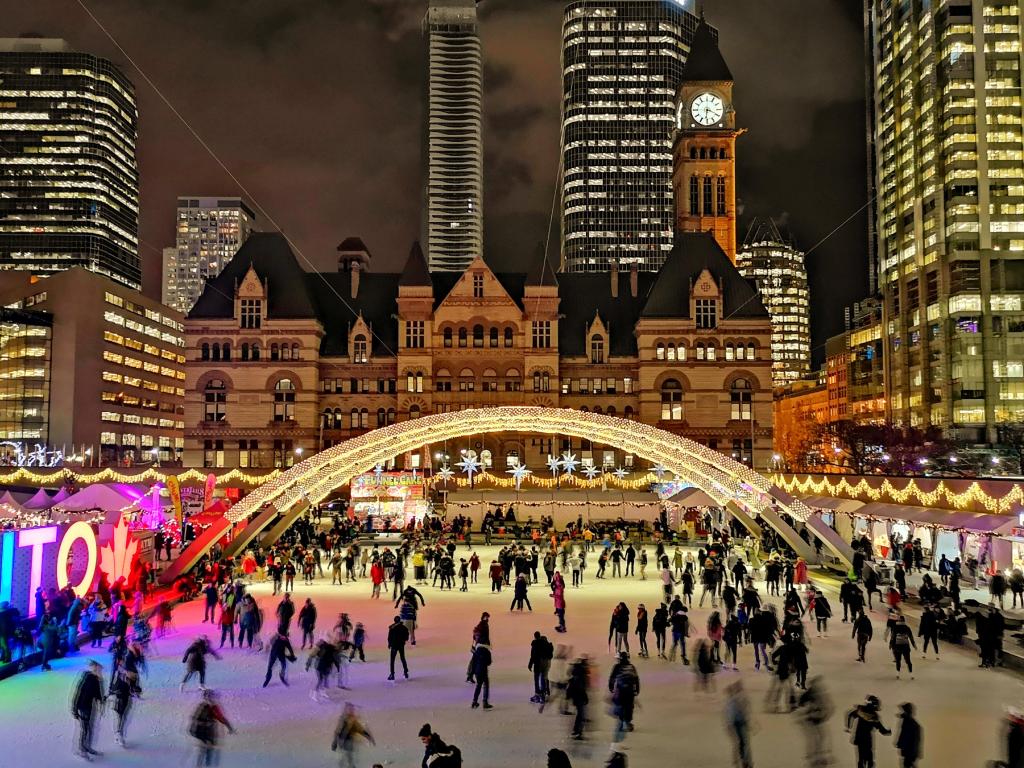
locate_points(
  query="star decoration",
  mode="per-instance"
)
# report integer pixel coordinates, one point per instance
(659, 470)
(378, 471)
(553, 464)
(445, 473)
(591, 471)
(620, 473)
(519, 472)
(470, 465)
(569, 462)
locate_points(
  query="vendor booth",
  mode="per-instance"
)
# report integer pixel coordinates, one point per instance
(564, 506)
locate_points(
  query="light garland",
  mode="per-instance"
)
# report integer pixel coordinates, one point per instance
(110, 475)
(532, 481)
(906, 491)
(722, 478)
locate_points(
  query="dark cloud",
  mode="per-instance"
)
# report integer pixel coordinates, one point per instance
(317, 106)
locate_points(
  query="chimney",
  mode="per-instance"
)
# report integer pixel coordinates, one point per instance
(615, 279)
(355, 279)
(634, 277)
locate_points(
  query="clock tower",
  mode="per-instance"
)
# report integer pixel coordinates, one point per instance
(704, 148)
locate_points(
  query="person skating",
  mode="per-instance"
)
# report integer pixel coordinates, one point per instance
(349, 729)
(541, 654)
(307, 623)
(280, 651)
(398, 636)
(929, 630)
(123, 695)
(737, 720)
(86, 706)
(520, 594)
(680, 623)
(624, 686)
(641, 630)
(822, 613)
(619, 628)
(325, 658)
(659, 625)
(437, 754)
(195, 660)
(815, 709)
(558, 596)
(864, 721)
(358, 642)
(862, 632)
(204, 727)
(285, 612)
(901, 640)
(577, 692)
(481, 665)
(909, 738)
(409, 609)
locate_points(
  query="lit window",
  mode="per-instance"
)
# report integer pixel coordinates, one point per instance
(671, 400)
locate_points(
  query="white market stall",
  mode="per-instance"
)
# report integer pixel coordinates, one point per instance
(562, 505)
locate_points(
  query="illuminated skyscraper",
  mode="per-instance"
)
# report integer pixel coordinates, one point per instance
(455, 151)
(69, 181)
(208, 232)
(777, 268)
(622, 64)
(949, 174)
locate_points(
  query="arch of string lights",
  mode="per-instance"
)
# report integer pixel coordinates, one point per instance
(720, 477)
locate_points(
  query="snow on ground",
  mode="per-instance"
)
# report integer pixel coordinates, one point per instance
(959, 705)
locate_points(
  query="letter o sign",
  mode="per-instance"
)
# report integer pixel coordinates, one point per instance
(83, 531)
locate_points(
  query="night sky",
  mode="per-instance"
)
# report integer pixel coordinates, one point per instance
(317, 107)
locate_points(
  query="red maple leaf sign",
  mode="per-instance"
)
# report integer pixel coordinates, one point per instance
(118, 557)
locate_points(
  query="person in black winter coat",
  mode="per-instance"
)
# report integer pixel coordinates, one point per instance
(822, 613)
(619, 628)
(307, 623)
(865, 721)
(398, 636)
(520, 594)
(659, 624)
(863, 632)
(280, 651)
(481, 665)
(909, 738)
(929, 630)
(85, 705)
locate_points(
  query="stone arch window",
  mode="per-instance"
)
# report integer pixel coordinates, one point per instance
(681, 351)
(462, 337)
(714, 153)
(255, 350)
(627, 412)
(611, 410)
(711, 351)
(670, 351)
(448, 338)
(443, 380)
(693, 153)
(414, 412)
(226, 351)
(513, 380)
(723, 153)
(204, 351)
(694, 195)
(245, 351)
(709, 200)
(659, 351)
(751, 351)
(741, 400)
(741, 352)
(597, 349)
(215, 351)
(730, 352)
(703, 153)
(275, 352)
(541, 381)
(284, 400)
(467, 380)
(360, 353)
(701, 351)
(671, 400)
(508, 337)
(382, 417)
(414, 381)
(490, 380)
(597, 409)
(478, 336)
(720, 196)
(286, 352)
(354, 416)
(215, 397)
(391, 415)
(494, 337)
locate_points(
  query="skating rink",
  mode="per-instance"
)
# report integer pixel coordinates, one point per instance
(959, 706)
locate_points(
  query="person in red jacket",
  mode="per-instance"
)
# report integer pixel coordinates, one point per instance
(377, 577)
(227, 621)
(497, 576)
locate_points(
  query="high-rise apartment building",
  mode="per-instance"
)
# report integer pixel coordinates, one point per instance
(622, 64)
(455, 154)
(208, 232)
(777, 268)
(69, 181)
(949, 175)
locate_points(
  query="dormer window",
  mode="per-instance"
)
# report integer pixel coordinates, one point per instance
(706, 313)
(478, 285)
(251, 313)
(359, 349)
(597, 349)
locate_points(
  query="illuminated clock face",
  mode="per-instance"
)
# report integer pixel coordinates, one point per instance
(707, 109)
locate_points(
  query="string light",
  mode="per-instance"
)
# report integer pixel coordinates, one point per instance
(723, 479)
(110, 475)
(906, 491)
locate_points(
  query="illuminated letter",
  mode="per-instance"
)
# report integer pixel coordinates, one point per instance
(81, 531)
(36, 538)
(6, 566)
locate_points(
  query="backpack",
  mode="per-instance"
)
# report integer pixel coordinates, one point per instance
(201, 726)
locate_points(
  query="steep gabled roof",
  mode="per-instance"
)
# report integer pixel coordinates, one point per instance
(415, 271)
(375, 301)
(692, 253)
(513, 283)
(272, 259)
(705, 62)
(586, 294)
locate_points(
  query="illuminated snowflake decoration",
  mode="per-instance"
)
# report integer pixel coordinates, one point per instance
(569, 462)
(659, 470)
(378, 471)
(591, 471)
(519, 472)
(553, 464)
(445, 473)
(470, 465)
(620, 473)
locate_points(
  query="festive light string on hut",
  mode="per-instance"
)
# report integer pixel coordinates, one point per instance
(906, 491)
(21, 475)
(720, 477)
